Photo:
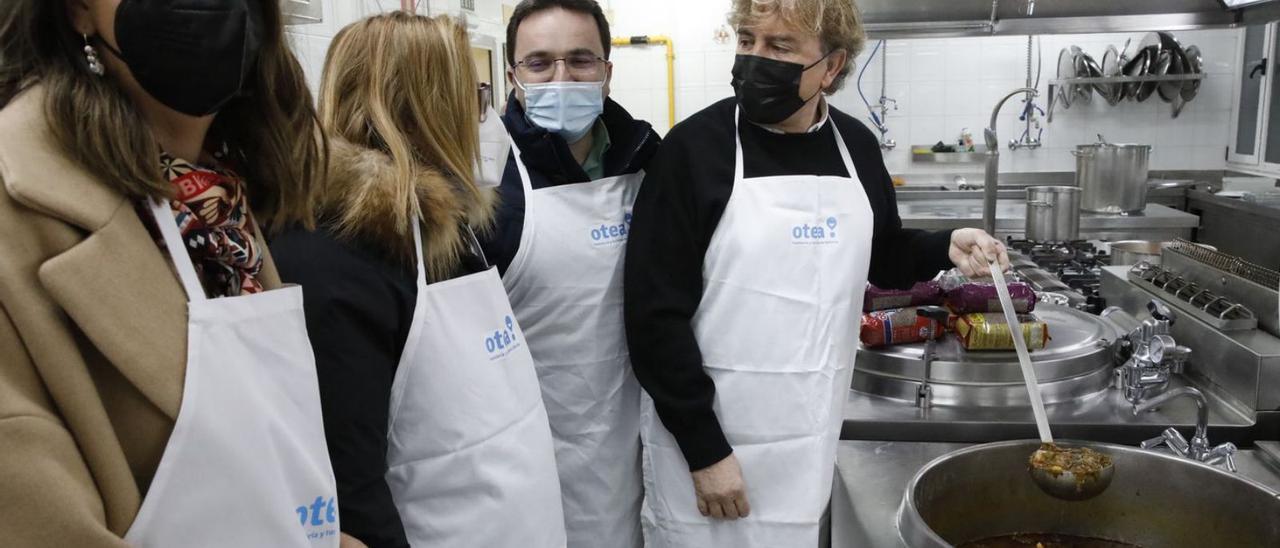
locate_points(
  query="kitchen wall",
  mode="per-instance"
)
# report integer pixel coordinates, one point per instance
(942, 86)
(311, 41)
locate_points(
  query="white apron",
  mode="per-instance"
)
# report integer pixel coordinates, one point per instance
(470, 462)
(783, 280)
(565, 284)
(246, 464)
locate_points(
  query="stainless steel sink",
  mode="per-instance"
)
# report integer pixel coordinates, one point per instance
(1155, 500)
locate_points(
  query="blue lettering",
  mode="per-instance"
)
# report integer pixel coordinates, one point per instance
(596, 235)
(331, 514)
(797, 233)
(316, 507)
(490, 345)
(818, 233)
(613, 231)
(622, 230)
(302, 515)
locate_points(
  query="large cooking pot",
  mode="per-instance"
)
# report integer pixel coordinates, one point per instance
(1053, 214)
(1112, 177)
(1155, 500)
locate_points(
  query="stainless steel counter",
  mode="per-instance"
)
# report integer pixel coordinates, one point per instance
(871, 476)
(1102, 417)
(1158, 222)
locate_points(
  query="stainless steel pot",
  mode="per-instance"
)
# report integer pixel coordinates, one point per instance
(1112, 177)
(1156, 499)
(1053, 214)
(1131, 252)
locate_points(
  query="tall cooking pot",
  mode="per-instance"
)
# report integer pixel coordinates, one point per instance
(1112, 177)
(1053, 214)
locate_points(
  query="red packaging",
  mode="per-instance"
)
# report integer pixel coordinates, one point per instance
(901, 326)
(922, 294)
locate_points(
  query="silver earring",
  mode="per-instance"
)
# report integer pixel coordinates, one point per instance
(91, 56)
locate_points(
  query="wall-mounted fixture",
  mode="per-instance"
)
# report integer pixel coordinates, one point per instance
(658, 39)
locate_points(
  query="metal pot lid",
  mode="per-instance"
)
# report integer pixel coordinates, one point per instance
(1136, 67)
(1177, 65)
(1066, 69)
(1111, 67)
(1080, 344)
(1161, 67)
(1195, 65)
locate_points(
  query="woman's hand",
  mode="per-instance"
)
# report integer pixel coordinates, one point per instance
(973, 250)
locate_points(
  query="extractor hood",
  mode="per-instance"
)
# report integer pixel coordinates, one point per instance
(917, 18)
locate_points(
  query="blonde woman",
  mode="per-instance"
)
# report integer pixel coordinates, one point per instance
(148, 352)
(431, 405)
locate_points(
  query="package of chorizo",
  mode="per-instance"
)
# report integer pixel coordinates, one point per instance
(899, 326)
(922, 294)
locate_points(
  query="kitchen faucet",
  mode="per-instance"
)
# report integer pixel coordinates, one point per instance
(989, 191)
(1198, 448)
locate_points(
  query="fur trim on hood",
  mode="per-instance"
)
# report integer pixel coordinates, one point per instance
(362, 200)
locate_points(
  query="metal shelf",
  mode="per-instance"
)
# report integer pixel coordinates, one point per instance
(1056, 83)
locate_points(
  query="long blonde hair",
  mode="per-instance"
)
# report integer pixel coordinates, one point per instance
(405, 84)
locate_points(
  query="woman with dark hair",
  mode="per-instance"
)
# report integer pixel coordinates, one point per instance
(157, 386)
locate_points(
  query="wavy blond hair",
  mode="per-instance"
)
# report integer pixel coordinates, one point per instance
(838, 23)
(405, 85)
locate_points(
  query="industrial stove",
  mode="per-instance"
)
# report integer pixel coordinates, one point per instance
(1068, 274)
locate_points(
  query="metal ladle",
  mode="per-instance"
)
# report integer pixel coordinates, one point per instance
(1064, 485)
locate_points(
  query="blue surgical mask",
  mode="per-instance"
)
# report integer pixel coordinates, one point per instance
(568, 109)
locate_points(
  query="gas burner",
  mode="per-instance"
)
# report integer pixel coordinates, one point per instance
(1073, 268)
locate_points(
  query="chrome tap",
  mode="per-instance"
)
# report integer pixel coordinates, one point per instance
(1155, 357)
(989, 192)
(1198, 448)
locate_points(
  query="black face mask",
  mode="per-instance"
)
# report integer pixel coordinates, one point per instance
(193, 56)
(769, 90)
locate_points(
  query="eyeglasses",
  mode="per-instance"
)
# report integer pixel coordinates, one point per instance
(541, 68)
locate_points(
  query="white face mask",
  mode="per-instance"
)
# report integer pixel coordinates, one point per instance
(568, 109)
(495, 148)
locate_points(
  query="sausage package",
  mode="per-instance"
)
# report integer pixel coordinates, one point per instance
(972, 297)
(900, 326)
(991, 332)
(922, 294)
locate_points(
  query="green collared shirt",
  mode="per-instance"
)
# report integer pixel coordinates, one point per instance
(594, 163)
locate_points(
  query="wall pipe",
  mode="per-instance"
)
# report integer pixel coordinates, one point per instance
(658, 39)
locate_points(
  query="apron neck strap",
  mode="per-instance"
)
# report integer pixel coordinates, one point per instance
(738, 171)
(172, 236)
(524, 171)
(418, 255)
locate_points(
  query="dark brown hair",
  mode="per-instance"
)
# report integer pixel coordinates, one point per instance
(530, 7)
(272, 129)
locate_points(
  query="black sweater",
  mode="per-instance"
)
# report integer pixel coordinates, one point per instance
(359, 306)
(683, 196)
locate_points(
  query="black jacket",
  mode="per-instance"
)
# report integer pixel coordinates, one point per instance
(683, 196)
(551, 163)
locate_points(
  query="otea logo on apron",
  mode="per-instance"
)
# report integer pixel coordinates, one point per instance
(502, 341)
(319, 513)
(607, 234)
(816, 234)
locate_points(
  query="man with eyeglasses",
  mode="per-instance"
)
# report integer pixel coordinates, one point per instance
(561, 230)
(756, 231)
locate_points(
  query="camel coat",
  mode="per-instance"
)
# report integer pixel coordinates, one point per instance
(93, 329)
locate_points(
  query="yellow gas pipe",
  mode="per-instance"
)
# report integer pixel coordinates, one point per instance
(671, 65)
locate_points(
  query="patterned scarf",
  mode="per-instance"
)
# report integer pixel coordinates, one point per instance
(213, 216)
